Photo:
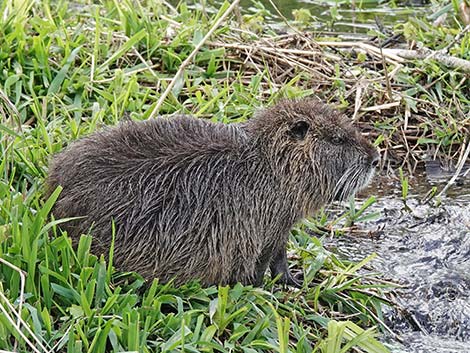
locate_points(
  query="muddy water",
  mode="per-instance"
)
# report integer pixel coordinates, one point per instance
(427, 249)
(342, 17)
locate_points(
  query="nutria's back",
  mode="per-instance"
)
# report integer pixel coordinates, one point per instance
(193, 199)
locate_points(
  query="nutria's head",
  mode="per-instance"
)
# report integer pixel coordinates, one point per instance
(315, 149)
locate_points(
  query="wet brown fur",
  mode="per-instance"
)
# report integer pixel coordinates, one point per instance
(192, 199)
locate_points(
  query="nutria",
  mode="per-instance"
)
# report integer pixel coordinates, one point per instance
(196, 200)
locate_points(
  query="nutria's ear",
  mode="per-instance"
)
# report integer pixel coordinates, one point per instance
(299, 129)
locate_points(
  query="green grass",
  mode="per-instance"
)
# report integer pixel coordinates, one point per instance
(66, 69)
(75, 302)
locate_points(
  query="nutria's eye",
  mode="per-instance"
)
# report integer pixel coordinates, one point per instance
(299, 130)
(336, 140)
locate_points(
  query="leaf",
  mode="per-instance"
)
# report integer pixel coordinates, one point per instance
(124, 48)
(59, 78)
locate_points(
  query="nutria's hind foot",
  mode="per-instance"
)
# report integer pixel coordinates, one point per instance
(279, 266)
(293, 281)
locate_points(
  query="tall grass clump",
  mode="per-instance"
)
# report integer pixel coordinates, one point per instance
(69, 68)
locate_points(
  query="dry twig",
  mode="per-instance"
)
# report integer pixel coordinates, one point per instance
(425, 54)
(20, 321)
(460, 165)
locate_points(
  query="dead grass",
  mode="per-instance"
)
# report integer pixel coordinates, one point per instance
(390, 97)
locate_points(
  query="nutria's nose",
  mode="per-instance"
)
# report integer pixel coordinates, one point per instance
(375, 159)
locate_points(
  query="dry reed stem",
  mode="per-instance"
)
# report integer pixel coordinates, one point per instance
(22, 322)
(461, 163)
(426, 54)
(358, 100)
(20, 308)
(381, 107)
(389, 56)
(18, 330)
(22, 281)
(372, 314)
(15, 116)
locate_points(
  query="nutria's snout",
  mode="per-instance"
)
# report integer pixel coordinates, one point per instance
(374, 158)
(375, 161)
